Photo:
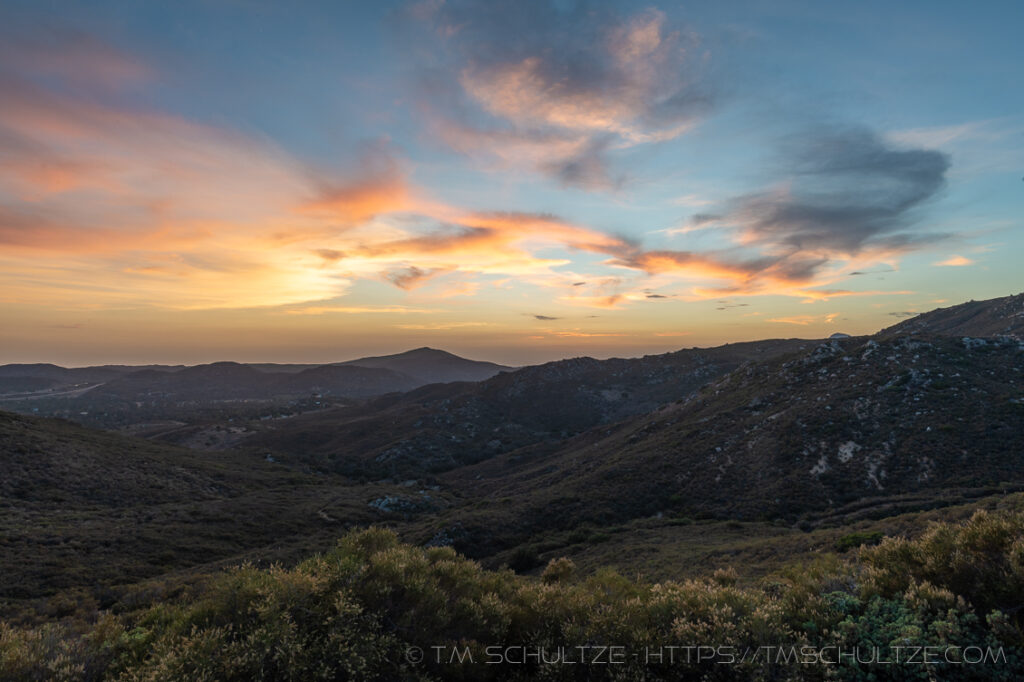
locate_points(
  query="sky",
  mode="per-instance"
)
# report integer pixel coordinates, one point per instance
(518, 181)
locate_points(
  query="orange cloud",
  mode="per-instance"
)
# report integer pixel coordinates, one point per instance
(359, 309)
(796, 319)
(498, 243)
(824, 295)
(442, 326)
(688, 264)
(585, 335)
(379, 187)
(363, 199)
(805, 320)
(524, 93)
(955, 261)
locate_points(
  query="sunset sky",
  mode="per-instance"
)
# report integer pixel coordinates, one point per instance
(185, 182)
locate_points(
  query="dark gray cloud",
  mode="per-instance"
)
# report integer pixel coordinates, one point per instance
(546, 318)
(870, 272)
(411, 277)
(588, 168)
(704, 218)
(849, 190)
(844, 192)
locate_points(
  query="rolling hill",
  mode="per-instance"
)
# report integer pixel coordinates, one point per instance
(846, 430)
(233, 381)
(118, 396)
(442, 426)
(432, 366)
(83, 509)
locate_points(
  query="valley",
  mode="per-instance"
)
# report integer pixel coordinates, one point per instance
(764, 443)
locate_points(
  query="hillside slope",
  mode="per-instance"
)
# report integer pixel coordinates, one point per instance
(442, 426)
(994, 317)
(813, 433)
(81, 508)
(234, 381)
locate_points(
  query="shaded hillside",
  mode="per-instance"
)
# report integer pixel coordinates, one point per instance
(994, 317)
(88, 509)
(233, 381)
(57, 373)
(46, 377)
(442, 426)
(40, 376)
(432, 366)
(398, 372)
(816, 432)
(53, 462)
(116, 396)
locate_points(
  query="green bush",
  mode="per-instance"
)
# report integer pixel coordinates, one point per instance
(981, 560)
(854, 540)
(357, 612)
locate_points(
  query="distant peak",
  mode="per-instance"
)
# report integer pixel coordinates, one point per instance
(222, 366)
(424, 351)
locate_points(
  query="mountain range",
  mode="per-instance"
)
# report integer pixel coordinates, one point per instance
(438, 427)
(124, 395)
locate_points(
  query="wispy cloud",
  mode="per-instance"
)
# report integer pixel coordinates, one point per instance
(556, 87)
(804, 320)
(955, 261)
(441, 326)
(412, 277)
(76, 59)
(359, 309)
(575, 334)
(989, 130)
